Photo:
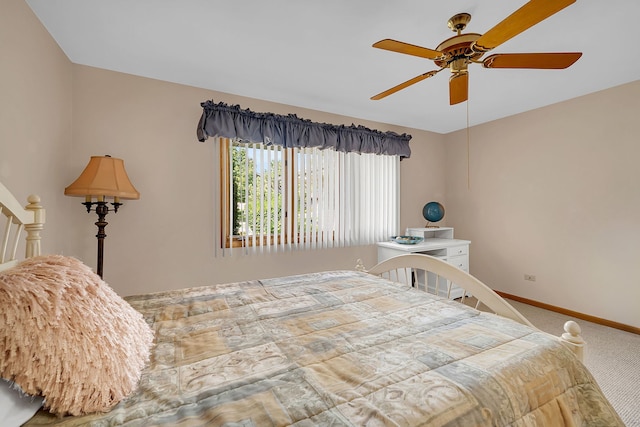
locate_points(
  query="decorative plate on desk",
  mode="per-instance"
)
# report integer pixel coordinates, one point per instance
(407, 240)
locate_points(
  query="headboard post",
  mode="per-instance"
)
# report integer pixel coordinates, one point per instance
(33, 229)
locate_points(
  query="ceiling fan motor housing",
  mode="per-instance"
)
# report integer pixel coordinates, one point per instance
(457, 51)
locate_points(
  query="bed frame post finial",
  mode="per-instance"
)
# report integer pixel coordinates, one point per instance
(360, 266)
(572, 339)
(33, 229)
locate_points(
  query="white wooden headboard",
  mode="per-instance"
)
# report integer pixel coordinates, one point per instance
(30, 219)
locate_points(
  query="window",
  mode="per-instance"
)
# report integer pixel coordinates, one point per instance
(278, 198)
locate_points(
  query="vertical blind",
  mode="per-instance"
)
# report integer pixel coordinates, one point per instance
(307, 198)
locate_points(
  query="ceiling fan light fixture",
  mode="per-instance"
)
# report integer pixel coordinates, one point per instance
(459, 65)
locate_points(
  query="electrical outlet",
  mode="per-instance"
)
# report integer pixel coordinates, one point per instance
(530, 277)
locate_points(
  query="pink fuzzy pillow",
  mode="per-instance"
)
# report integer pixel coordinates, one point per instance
(67, 336)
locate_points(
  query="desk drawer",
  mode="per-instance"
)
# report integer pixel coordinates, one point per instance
(458, 250)
(462, 262)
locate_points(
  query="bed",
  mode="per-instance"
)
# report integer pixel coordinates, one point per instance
(347, 348)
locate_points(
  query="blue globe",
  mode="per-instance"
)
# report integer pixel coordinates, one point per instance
(433, 211)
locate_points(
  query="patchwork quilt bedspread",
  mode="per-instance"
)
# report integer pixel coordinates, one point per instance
(345, 348)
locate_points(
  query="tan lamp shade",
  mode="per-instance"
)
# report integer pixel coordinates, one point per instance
(103, 176)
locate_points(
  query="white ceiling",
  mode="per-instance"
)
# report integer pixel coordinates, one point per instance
(318, 54)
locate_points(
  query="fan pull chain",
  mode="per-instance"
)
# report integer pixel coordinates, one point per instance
(468, 152)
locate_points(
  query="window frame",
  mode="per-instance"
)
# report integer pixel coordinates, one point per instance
(341, 234)
(231, 240)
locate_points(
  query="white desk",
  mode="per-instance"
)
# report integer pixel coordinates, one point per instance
(453, 251)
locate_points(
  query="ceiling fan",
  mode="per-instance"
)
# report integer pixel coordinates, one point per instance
(457, 52)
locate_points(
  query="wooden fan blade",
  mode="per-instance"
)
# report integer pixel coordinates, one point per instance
(532, 60)
(527, 16)
(409, 49)
(458, 88)
(405, 84)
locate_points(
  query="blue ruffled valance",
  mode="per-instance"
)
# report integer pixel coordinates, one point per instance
(229, 121)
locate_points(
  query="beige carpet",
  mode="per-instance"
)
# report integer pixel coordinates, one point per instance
(612, 356)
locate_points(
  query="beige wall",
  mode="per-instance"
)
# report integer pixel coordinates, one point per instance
(165, 239)
(35, 116)
(555, 193)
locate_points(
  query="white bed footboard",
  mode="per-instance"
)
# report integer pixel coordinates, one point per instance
(30, 219)
(436, 276)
